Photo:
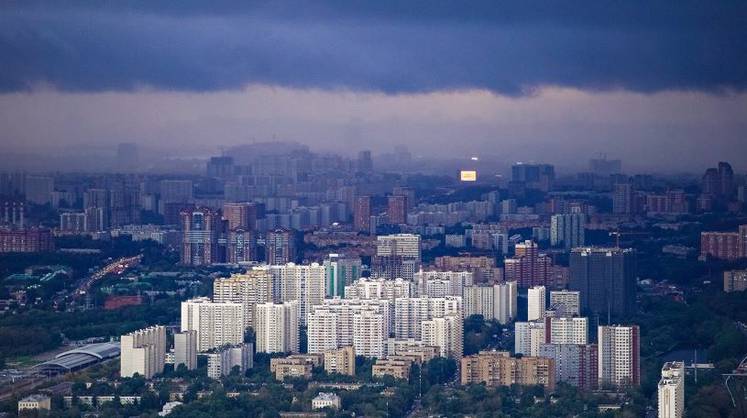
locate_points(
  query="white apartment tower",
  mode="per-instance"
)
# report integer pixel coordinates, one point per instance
(672, 390)
(446, 333)
(528, 337)
(249, 289)
(277, 327)
(496, 302)
(438, 284)
(143, 352)
(361, 323)
(619, 356)
(216, 323)
(185, 349)
(537, 303)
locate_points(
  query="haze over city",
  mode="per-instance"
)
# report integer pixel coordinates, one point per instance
(516, 81)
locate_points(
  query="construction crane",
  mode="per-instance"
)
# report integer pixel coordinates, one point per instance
(617, 234)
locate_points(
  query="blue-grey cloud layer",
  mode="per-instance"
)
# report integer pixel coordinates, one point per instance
(395, 47)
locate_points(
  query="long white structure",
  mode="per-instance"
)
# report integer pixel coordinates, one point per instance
(302, 283)
(143, 352)
(446, 333)
(565, 330)
(216, 323)
(409, 313)
(370, 288)
(362, 323)
(438, 284)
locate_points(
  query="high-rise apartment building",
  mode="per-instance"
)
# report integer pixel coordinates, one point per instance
(446, 333)
(575, 364)
(249, 289)
(201, 230)
(26, 240)
(362, 323)
(671, 390)
(368, 288)
(397, 256)
(185, 349)
(242, 216)
(619, 356)
(723, 245)
(39, 189)
(566, 302)
(567, 230)
(410, 313)
(622, 199)
(565, 330)
(302, 283)
(362, 214)
(143, 352)
(497, 302)
(528, 267)
(276, 327)
(498, 368)
(216, 323)
(528, 337)
(223, 360)
(536, 303)
(605, 279)
(341, 271)
(280, 247)
(438, 284)
(397, 209)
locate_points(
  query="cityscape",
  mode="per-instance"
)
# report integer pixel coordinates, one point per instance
(279, 209)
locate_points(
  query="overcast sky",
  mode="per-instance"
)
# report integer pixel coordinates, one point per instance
(659, 84)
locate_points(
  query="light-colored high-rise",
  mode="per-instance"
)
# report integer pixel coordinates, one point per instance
(566, 330)
(302, 283)
(370, 288)
(496, 302)
(446, 333)
(438, 284)
(528, 336)
(333, 325)
(185, 349)
(223, 360)
(619, 356)
(404, 245)
(409, 313)
(249, 289)
(277, 327)
(216, 323)
(143, 352)
(671, 390)
(566, 302)
(537, 303)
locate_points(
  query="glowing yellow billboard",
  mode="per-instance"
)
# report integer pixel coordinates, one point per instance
(468, 175)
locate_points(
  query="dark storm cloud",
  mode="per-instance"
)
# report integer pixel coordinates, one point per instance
(395, 47)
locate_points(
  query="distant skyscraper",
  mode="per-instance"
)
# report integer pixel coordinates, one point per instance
(533, 176)
(39, 189)
(605, 278)
(341, 271)
(201, 230)
(365, 161)
(280, 247)
(567, 230)
(671, 390)
(622, 199)
(362, 214)
(619, 356)
(397, 209)
(566, 302)
(128, 157)
(220, 167)
(726, 179)
(397, 256)
(604, 167)
(408, 193)
(242, 215)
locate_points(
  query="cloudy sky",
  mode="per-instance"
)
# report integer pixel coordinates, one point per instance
(659, 84)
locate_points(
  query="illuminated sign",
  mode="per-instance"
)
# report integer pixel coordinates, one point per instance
(468, 175)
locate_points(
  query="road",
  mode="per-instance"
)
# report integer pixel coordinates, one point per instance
(118, 266)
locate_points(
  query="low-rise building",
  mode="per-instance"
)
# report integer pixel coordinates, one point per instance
(341, 361)
(326, 400)
(297, 365)
(498, 368)
(399, 368)
(35, 402)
